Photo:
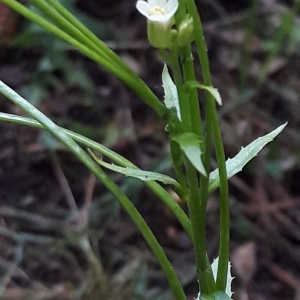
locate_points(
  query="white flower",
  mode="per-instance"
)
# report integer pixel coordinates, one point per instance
(160, 11)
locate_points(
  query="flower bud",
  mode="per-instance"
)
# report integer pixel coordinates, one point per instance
(161, 36)
(185, 31)
(160, 15)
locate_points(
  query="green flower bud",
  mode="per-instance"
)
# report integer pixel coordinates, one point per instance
(185, 31)
(160, 15)
(161, 35)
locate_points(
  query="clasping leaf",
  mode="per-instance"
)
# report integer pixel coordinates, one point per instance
(171, 94)
(190, 146)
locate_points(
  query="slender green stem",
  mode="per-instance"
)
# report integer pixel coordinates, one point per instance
(194, 204)
(224, 210)
(184, 107)
(191, 121)
(189, 75)
(199, 232)
(185, 116)
(186, 61)
(137, 84)
(189, 106)
(212, 127)
(102, 176)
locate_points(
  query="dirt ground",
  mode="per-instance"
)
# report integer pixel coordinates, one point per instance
(63, 236)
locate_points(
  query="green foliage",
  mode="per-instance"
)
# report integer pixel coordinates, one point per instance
(190, 144)
(189, 85)
(171, 95)
(139, 174)
(236, 164)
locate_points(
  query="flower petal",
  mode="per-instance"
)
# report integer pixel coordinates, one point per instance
(153, 3)
(162, 3)
(172, 7)
(144, 8)
(160, 18)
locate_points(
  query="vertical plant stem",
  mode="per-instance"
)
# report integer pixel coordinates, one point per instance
(224, 212)
(192, 123)
(185, 57)
(194, 204)
(184, 105)
(212, 127)
(198, 219)
(189, 75)
(198, 231)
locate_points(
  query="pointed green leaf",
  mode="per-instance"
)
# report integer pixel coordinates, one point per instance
(212, 90)
(171, 94)
(136, 173)
(236, 164)
(190, 146)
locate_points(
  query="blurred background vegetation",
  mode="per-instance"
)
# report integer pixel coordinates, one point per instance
(62, 236)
